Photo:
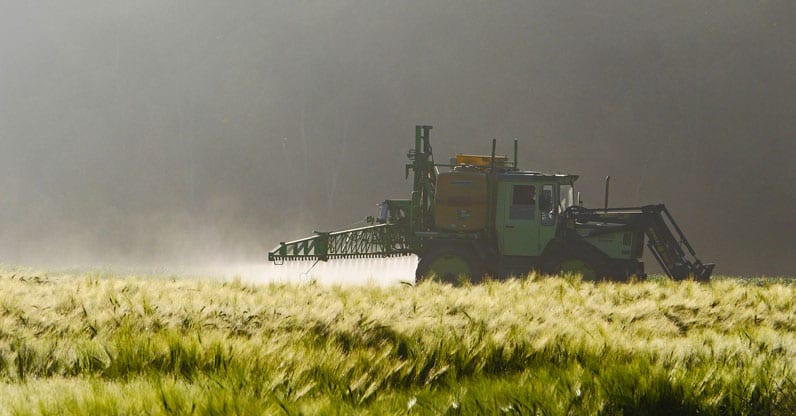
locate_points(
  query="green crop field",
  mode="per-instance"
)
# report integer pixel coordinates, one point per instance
(97, 343)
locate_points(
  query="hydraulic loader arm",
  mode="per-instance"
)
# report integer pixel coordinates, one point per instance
(665, 239)
(668, 249)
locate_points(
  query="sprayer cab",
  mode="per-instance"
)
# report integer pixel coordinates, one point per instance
(483, 215)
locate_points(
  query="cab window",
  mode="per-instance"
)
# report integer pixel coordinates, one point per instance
(567, 197)
(523, 202)
(547, 208)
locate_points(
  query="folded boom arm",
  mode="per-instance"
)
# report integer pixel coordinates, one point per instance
(381, 240)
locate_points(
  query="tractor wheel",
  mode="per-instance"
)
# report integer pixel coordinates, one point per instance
(452, 265)
(576, 265)
(581, 259)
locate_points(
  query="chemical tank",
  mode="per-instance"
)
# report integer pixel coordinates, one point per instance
(460, 200)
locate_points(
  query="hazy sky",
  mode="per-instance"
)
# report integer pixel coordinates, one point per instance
(185, 131)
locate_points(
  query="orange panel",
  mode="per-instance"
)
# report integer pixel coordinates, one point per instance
(460, 202)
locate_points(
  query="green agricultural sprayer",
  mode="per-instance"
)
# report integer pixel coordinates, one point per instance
(482, 215)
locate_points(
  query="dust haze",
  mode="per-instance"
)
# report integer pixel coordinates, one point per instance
(193, 132)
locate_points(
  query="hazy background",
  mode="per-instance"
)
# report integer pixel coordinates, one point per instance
(182, 132)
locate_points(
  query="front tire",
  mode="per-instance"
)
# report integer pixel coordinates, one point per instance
(578, 258)
(453, 265)
(576, 265)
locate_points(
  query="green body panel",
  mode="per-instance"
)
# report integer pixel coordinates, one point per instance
(613, 244)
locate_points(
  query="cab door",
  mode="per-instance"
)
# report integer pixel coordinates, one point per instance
(548, 214)
(517, 218)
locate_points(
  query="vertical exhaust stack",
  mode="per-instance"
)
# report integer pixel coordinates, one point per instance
(515, 153)
(492, 162)
(607, 184)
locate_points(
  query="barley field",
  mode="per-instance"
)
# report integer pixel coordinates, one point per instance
(99, 343)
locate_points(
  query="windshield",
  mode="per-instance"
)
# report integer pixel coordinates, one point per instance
(567, 197)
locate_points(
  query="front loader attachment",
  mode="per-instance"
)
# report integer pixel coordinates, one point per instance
(668, 250)
(666, 241)
(381, 240)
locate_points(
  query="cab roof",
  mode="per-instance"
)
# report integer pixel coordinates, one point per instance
(528, 175)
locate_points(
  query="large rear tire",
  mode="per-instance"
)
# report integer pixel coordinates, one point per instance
(453, 265)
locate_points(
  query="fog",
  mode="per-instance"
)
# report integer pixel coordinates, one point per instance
(193, 133)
